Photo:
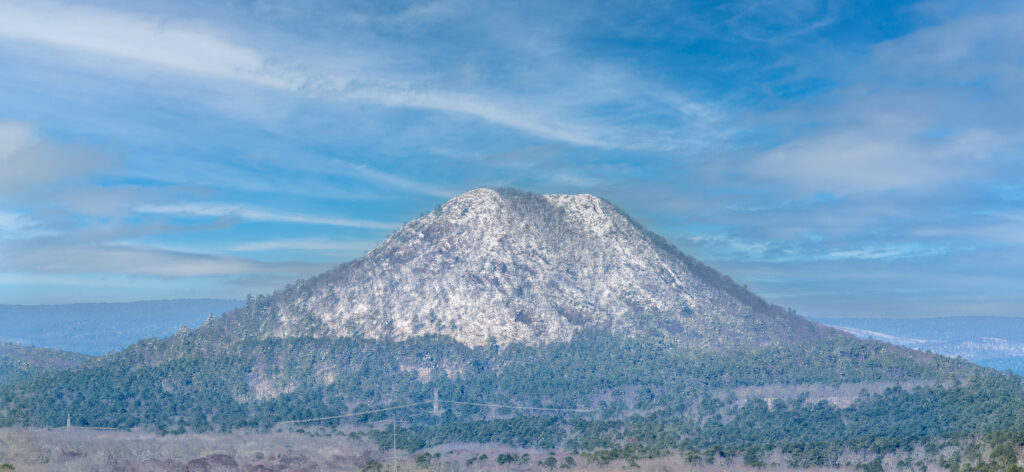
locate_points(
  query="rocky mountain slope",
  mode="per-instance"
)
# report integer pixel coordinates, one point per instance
(511, 266)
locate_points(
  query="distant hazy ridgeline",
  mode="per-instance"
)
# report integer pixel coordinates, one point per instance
(18, 362)
(98, 328)
(991, 341)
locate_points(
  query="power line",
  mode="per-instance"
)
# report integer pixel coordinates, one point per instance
(435, 401)
(516, 407)
(349, 415)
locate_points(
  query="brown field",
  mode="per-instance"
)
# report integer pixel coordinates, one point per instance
(85, 450)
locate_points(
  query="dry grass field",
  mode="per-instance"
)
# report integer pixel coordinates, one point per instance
(85, 450)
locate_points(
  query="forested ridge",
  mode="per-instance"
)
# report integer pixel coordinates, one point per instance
(18, 362)
(649, 397)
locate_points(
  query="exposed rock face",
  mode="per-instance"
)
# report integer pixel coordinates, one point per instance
(513, 266)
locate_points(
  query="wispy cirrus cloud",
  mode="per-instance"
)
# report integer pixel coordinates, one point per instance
(984, 46)
(777, 21)
(50, 256)
(14, 225)
(732, 247)
(256, 214)
(877, 157)
(1004, 227)
(307, 244)
(344, 168)
(927, 122)
(136, 38)
(558, 111)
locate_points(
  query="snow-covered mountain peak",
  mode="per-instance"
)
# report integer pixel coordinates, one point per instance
(485, 205)
(589, 212)
(513, 266)
(478, 205)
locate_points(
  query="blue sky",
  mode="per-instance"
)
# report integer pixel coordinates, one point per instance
(840, 158)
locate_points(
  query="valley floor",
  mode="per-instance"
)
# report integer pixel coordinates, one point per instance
(80, 449)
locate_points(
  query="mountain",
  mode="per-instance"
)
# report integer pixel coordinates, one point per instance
(991, 341)
(98, 328)
(19, 362)
(511, 266)
(552, 322)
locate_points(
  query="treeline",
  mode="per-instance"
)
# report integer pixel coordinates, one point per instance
(19, 362)
(183, 383)
(650, 398)
(810, 433)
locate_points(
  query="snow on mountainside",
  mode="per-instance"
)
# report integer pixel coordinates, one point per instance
(512, 266)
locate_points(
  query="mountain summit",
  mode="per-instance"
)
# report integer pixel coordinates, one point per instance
(512, 266)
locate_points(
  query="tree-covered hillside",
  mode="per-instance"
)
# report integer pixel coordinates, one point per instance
(646, 395)
(18, 362)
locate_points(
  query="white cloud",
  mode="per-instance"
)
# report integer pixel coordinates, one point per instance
(983, 46)
(523, 118)
(11, 222)
(147, 40)
(743, 249)
(1000, 227)
(556, 112)
(53, 257)
(27, 161)
(256, 214)
(878, 157)
(14, 137)
(575, 179)
(395, 181)
(15, 225)
(884, 252)
(341, 167)
(774, 21)
(934, 108)
(305, 245)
